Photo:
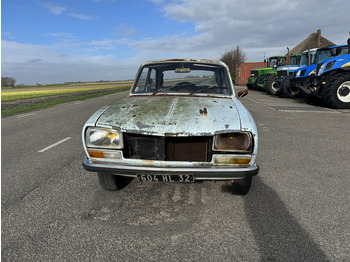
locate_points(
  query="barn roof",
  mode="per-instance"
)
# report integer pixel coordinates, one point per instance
(314, 40)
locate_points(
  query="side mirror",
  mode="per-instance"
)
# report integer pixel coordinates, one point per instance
(242, 92)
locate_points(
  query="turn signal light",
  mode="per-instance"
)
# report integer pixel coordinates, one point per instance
(97, 154)
(228, 160)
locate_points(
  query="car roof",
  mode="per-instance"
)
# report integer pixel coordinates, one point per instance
(185, 60)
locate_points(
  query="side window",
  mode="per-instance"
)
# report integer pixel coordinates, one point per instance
(141, 83)
(147, 81)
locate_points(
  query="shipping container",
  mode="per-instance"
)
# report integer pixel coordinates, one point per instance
(243, 71)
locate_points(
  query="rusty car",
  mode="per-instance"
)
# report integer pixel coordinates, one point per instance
(181, 122)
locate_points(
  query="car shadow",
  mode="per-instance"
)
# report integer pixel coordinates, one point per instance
(278, 234)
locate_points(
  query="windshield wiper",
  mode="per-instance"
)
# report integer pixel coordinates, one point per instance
(204, 89)
(161, 89)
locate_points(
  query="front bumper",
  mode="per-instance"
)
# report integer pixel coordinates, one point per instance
(199, 172)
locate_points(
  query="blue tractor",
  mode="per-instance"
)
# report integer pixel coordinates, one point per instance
(331, 82)
(285, 73)
(293, 88)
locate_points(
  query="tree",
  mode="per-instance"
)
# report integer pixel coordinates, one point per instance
(232, 59)
(8, 82)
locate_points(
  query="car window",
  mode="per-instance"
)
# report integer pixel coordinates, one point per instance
(185, 78)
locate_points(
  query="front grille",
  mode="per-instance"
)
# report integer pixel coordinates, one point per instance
(160, 148)
(254, 73)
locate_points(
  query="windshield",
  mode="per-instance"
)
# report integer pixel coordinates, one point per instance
(185, 78)
(295, 60)
(277, 61)
(304, 60)
(328, 53)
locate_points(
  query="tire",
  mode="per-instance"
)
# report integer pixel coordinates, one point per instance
(241, 186)
(289, 90)
(314, 100)
(273, 86)
(261, 82)
(112, 182)
(250, 86)
(336, 92)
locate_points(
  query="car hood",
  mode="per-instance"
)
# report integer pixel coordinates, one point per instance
(174, 115)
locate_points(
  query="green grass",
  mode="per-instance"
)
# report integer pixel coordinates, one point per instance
(68, 85)
(44, 93)
(8, 96)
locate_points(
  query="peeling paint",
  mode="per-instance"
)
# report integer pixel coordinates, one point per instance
(178, 115)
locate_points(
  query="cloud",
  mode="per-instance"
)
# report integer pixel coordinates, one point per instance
(55, 9)
(255, 25)
(125, 30)
(261, 29)
(8, 35)
(61, 35)
(112, 1)
(31, 64)
(58, 10)
(83, 17)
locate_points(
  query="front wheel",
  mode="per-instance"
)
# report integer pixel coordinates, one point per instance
(250, 86)
(273, 86)
(261, 82)
(112, 182)
(241, 186)
(289, 90)
(337, 93)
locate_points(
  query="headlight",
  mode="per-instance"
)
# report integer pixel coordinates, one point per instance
(233, 142)
(298, 73)
(321, 69)
(103, 138)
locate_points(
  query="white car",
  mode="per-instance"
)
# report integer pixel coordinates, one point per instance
(181, 122)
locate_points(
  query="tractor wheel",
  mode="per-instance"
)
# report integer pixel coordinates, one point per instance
(273, 86)
(289, 90)
(250, 86)
(261, 82)
(336, 92)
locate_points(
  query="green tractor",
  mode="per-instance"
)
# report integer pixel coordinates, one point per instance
(274, 82)
(259, 76)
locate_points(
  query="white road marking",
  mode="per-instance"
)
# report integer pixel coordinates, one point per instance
(53, 145)
(25, 115)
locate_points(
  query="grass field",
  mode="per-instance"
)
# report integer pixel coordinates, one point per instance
(14, 95)
(23, 99)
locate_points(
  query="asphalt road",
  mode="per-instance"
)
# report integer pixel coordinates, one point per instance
(298, 208)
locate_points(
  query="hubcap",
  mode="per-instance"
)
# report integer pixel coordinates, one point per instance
(276, 86)
(294, 90)
(344, 92)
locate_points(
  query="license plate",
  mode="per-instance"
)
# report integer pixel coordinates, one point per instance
(184, 178)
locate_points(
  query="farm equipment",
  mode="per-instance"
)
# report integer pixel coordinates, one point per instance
(331, 82)
(259, 76)
(274, 83)
(301, 75)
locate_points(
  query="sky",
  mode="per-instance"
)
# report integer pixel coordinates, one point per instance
(59, 41)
